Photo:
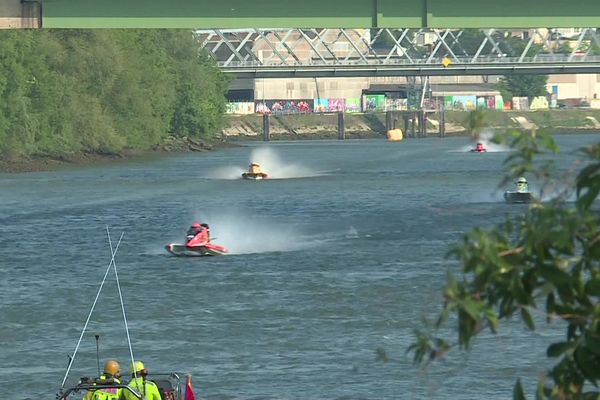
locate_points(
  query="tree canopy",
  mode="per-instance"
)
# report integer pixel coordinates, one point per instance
(547, 260)
(103, 91)
(522, 86)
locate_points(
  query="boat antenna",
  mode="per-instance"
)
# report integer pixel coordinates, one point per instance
(98, 353)
(72, 358)
(114, 264)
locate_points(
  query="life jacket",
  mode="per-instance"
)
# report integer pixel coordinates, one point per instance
(202, 238)
(148, 389)
(105, 393)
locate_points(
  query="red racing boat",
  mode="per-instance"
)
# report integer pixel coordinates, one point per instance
(198, 245)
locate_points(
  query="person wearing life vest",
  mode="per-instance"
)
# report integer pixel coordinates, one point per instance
(522, 185)
(111, 374)
(141, 384)
(255, 169)
(197, 235)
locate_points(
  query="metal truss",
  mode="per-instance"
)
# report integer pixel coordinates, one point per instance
(393, 52)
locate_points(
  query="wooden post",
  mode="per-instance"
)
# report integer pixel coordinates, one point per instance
(266, 126)
(405, 118)
(442, 122)
(388, 120)
(341, 126)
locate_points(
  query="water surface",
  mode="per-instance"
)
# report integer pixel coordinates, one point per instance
(341, 253)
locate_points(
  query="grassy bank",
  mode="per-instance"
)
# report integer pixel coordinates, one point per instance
(48, 163)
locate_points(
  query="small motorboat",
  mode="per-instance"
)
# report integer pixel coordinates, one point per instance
(479, 148)
(518, 197)
(182, 250)
(255, 172)
(171, 386)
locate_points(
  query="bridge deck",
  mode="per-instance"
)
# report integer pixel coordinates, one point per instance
(209, 14)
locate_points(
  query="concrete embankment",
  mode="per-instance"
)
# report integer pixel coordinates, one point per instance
(316, 126)
(15, 14)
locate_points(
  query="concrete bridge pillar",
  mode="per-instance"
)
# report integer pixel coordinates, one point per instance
(16, 14)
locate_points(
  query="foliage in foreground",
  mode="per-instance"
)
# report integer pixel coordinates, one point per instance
(547, 259)
(102, 91)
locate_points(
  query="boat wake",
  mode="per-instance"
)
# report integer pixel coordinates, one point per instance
(273, 165)
(486, 139)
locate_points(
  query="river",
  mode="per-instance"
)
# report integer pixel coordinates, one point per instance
(341, 253)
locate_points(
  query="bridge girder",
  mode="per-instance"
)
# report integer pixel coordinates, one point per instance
(233, 14)
(400, 52)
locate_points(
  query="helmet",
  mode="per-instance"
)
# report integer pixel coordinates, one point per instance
(196, 224)
(138, 366)
(522, 180)
(112, 367)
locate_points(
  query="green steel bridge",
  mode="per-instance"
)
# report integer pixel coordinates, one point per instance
(342, 52)
(238, 14)
(342, 38)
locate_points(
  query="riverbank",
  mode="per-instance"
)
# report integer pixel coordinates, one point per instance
(47, 163)
(321, 126)
(369, 125)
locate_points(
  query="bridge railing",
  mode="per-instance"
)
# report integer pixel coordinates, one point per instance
(538, 60)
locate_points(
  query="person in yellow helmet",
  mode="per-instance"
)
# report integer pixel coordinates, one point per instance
(111, 375)
(140, 384)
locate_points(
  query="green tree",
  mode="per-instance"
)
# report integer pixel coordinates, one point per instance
(103, 91)
(522, 86)
(548, 260)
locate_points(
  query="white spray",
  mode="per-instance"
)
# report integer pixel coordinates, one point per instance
(277, 168)
(242, 234)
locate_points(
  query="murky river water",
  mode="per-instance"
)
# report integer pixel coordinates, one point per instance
(344, 253)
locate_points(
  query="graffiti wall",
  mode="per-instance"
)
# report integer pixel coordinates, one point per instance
(352, 105)
(284, 106)
(374, 102)
(380, 103)
(240, 108)
(468, 103)
(520, 103)
(539, 103)
(330, 105)
(396, 104)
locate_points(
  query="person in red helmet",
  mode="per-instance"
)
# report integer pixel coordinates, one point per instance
(197, 235)
(193, 231)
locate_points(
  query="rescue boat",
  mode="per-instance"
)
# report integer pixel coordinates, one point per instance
(255, 172)
(172, 385)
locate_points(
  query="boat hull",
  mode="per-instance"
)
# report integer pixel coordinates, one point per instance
(254, 177)
(181, 250)
(518, 197)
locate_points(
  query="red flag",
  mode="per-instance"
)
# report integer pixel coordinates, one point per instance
(189, 392)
